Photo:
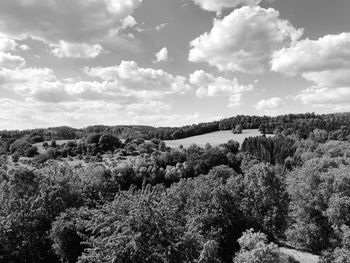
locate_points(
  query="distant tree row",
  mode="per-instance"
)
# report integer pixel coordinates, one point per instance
(301, 124)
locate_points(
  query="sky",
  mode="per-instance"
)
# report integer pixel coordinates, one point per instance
(170, 62)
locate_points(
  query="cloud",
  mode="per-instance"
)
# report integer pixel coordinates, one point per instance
(271, 104)
(11, 61)
(105, 91)
(128, 75)
(167, 120)
(51, 92)
(148, 107)
(329, 78)
(7, 44)
(129, 21)
(211, 86)
(78, 21)
(162, 55)
(123, 84)
(47, 101)
(24, 75)
(69, 50)
(325, 62)
(325, 96)
(219, 5)
(244, 40)
(331, 52)
(24, 47)
(37, 83)
(33, 114)
(161, 26)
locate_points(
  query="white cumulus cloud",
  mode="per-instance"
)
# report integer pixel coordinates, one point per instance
(129, 21)
(161, 26)
(244, 40)
(330, 52)
(329, 78)
(8, 60)
(130, 76)
(7, 44)
(210, 86)
(121, 94)
(219, 5)
(72, 21)
(69, 50)
(38, 83)
(81, 23)
(24, 47)
(122, 84)
(325, 62)
(325, 96)
(269, 104)
(162, 55)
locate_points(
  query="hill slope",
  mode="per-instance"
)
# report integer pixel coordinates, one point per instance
(213, 138)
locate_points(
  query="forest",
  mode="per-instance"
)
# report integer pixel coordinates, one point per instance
(119, 194)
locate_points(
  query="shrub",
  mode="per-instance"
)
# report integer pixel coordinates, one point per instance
(108, 142)
(92, 138)
(41, 158)
(15, 157)
(238, 129)
(31, 151)
(53, 144)
(36, 139)
(255, 249)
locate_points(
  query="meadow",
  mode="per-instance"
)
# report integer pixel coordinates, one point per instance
(213, 138)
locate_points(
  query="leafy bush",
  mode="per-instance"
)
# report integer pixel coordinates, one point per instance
(93, 138)
(108, 142)
(255, 249)
(23, 148)
(41, 158)
(15, 157)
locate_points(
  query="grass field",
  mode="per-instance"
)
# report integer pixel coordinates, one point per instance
(302, 257)
(214, 138)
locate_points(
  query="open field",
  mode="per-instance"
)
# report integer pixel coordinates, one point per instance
(302, 257)
(214, 138)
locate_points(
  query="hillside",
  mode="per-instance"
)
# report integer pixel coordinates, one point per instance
(217, 198)
(213, 138)
(302, 257)
(303, 124)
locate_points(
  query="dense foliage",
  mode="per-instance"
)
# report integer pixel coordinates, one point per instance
(105, 199)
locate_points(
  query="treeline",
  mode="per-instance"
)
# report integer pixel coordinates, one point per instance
(280, 148)
(300, 124)
(274, 150)
(68, 133)
(186, 131)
